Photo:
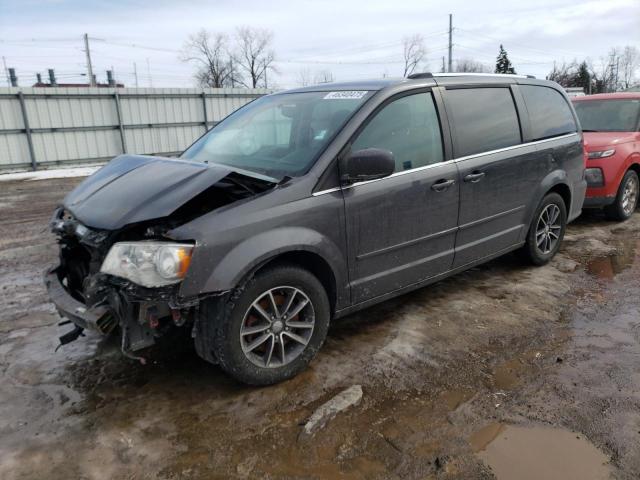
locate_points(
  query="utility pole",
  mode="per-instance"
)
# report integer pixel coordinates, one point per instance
(92, 80)
(6, 72)
(52, 78)
(13, 79)
(149, 74)
(443, 67)
(450, 42)
(135, 73)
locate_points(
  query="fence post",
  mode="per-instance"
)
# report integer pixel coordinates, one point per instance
(27, 130)
(204, 111)
(123, 140)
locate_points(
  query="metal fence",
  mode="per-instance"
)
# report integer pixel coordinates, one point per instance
(45, 127)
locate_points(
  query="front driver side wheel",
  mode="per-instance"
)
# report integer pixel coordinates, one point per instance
(272, 327)
(546, 230)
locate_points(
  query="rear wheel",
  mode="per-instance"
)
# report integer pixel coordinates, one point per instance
(626, 200)
(546, 230)
(271, 328)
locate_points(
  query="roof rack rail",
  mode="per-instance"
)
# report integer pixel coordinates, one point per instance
(414, 76)
(474, 74)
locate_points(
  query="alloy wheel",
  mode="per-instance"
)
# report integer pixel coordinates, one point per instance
(548, 229)
(630, 195)
(277, 327)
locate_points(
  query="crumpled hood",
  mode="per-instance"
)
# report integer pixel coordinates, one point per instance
(134, 188)
(596, 140)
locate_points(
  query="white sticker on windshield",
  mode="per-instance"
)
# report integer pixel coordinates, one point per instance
(346, 95)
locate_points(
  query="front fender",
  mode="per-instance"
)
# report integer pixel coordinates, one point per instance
(256, 250)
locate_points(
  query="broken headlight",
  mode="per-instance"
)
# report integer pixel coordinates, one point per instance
(150, 264)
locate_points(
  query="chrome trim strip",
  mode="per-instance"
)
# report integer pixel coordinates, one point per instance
(513, 147)
(459, 159)
(329, 190)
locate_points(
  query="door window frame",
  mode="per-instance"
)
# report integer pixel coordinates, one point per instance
(518, 104)
(445, 136)
(442, 121)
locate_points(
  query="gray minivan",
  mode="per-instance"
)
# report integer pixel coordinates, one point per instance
(306, 205)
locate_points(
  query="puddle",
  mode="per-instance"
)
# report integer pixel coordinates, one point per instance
(533, 453)
(483, 437)
(454, 398)
(607, 267)
(510, 374)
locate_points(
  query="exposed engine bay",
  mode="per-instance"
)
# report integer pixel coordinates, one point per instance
(107, 303)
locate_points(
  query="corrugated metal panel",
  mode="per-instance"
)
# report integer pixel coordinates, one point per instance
(76, 125)
(14, 150)
(65, 146)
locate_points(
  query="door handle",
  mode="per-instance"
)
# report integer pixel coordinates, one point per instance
(474, 177)
(442, 185)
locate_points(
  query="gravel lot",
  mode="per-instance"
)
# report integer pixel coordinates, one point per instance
(501, 367)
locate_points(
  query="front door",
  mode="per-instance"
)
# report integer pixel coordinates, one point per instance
(401, 229)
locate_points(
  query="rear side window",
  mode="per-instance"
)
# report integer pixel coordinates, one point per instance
(484, 118)
(408, 128)
(549, 112)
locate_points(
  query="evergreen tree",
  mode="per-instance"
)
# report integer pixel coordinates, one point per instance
(582, 77)
(503, 64)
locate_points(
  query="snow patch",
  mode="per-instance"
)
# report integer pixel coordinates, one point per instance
(47, 174)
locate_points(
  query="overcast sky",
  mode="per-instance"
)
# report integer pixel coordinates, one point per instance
(352, 39)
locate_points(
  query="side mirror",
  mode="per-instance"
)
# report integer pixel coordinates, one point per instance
(367, 164)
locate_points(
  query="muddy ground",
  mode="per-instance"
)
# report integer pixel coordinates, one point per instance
(505, 370)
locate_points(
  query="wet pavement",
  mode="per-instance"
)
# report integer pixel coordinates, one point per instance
(500, 372)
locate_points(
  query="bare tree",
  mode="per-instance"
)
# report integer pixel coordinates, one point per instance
(562, 74)
(470, 65)
(629, 63)
(215, 65)
(414, 53)
(304, 77)
(255, 55)
(605, 72)
(323, 76)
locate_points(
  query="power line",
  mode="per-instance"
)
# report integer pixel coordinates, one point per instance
(538, 50)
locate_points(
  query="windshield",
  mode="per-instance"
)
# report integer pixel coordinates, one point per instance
(278, 135)
(608, 115)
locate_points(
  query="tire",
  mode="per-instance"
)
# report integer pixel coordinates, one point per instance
(221, 321)
(626, 200)
(533, 250)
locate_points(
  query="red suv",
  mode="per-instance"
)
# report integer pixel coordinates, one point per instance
(611, 123)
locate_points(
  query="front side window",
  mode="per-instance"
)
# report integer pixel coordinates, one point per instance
(278, 135)
(608, 115)
(485, 119)
(408, 128)
(549, 112)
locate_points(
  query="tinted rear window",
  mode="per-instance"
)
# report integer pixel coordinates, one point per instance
(549, 112)
(485, 119)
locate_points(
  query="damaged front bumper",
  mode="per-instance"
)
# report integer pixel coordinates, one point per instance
(141, 315)
(98, 319)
